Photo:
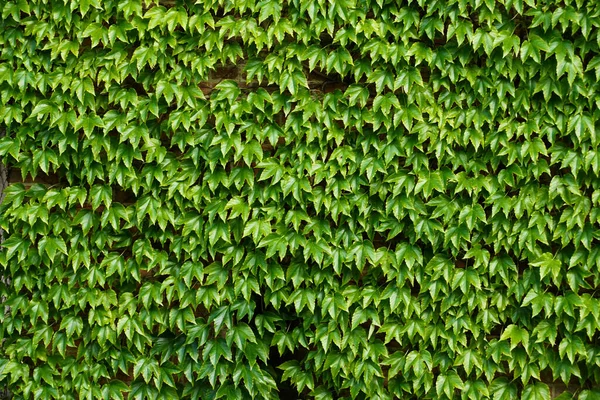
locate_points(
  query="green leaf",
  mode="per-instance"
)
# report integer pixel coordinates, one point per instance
(357, 94)
(447, 383)
(549, 266)
(269, 9)
(589, 394)
(50, 245)
(227, 89)
(538, 391)
(258, 229)
(516, 335)
(221, 317)
(292, 81)
(503, 389)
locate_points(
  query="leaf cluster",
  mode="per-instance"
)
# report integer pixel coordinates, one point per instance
(383, 200)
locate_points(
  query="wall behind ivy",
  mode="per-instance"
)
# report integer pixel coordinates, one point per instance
(301, 199)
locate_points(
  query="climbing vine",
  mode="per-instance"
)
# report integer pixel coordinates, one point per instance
(300, 199)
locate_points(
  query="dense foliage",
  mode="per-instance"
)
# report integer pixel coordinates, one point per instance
(313, 198)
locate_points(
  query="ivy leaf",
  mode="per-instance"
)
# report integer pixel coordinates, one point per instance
(269, 9)
(227, 89)
(292, 80)
(538, 391)
(516, 335)
(50, 245)
(257, 229)
(589, 394)
(503, 389)
(549, 265)
(357, 94)
(447, 383)
(430, 181)
(220, 317)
